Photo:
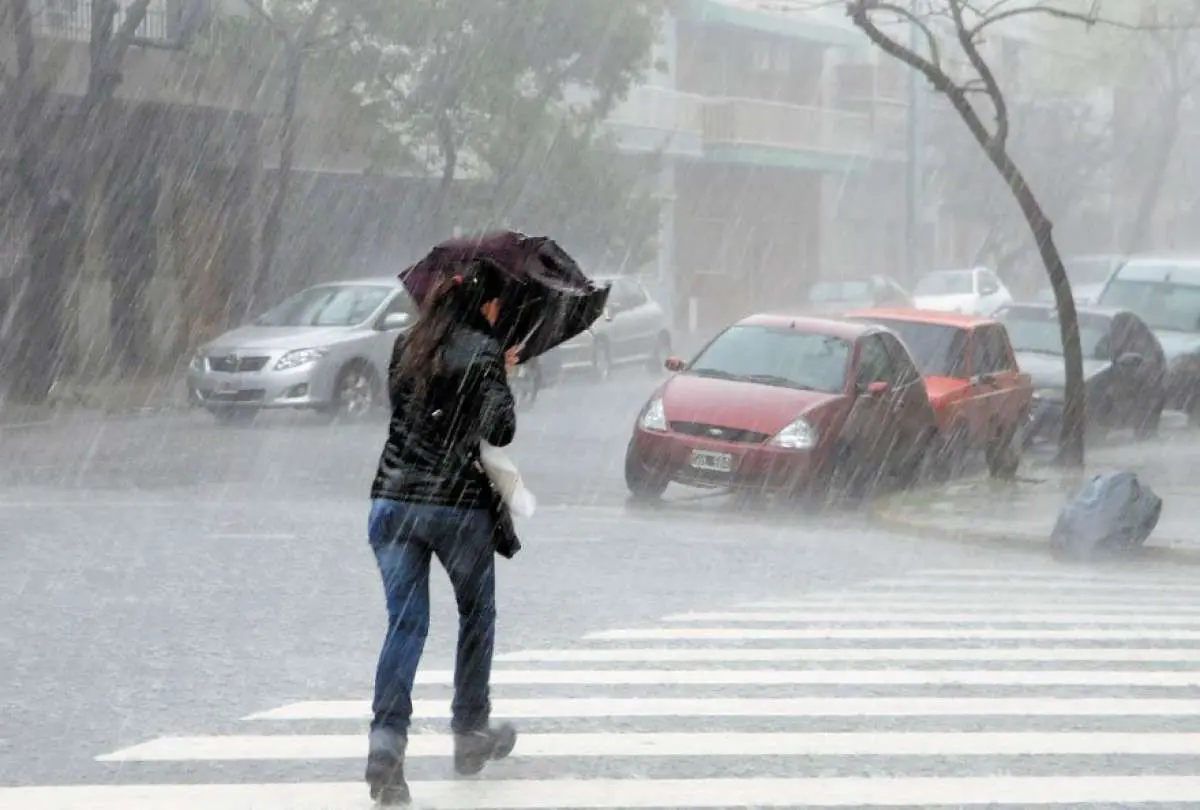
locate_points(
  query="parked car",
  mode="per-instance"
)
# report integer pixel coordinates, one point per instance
(977, 291)
(979, 394)
(785, 404)
(1124, 369)
(1087, 275)
(836, 295)
(326, 349)
(634, 329)
(1164, 291)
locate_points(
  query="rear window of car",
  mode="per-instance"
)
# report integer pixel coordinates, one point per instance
(1169, 305)
(937, 350)
(781, 357)
(958, 282)
(824, 292)
(1036, 330)
(946, 283)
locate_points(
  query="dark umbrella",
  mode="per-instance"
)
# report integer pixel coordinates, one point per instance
(548, 299)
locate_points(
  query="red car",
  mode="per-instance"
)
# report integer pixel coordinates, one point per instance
(981, 397)
(785, 404)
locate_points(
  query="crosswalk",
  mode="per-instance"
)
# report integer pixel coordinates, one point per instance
(943, 688)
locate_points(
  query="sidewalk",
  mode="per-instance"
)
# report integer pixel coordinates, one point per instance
(1022, 513)
(75, 400)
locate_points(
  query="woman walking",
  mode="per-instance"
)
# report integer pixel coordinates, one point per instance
(449, 390)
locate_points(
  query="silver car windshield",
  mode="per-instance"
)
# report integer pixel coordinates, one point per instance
(327, 305)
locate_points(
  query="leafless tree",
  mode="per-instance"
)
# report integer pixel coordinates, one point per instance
(297, 39)
(1165, 79)
(978, 99)
(1065, 146)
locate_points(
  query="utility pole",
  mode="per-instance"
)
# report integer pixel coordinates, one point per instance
(914, 164)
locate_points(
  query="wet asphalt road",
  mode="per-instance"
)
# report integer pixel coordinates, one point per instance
(166, 576)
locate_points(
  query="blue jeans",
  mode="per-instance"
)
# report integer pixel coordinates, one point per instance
(404, 536)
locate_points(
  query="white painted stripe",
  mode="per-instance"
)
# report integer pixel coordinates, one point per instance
(1032, 574)
(554, 708)
(675, 744)
(1010, 586)
(781, 634)
(915, 603)
(825, 677)
(608, 794)
(685, 654)
(998, 617)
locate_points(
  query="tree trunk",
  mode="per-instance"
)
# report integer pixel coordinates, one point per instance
(449, 149)
(272, 230)
(1071, 439)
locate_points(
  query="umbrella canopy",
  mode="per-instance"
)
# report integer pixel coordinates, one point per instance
(548, 299)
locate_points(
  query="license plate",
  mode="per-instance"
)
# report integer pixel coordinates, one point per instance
(226, 388)
(712, 462)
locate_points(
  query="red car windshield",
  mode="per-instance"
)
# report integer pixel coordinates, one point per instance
(780, 357)
(937, 349)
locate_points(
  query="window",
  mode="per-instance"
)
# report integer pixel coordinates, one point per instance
(874, 364)
(1129, 335)
(990, 354)
(401, 303)
(989, 283)
(783, 358)
(1161, 304)
(960, 282)
(327, 305)
(632, 294)
(1035, 329)
(762, 57)
(829, 292)
(938, 350)
(903, 371)
(889, 293)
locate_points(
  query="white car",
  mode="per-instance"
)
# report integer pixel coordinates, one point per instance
(977, 291)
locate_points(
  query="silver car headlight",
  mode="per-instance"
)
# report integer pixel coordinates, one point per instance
(300, 357)
(655, 416)
(799, 435)
(197, 362)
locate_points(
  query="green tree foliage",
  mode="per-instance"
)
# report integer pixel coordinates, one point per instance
(508, 96)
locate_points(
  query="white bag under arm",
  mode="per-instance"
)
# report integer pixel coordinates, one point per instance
(507, 480)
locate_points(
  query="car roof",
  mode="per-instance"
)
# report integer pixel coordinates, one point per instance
(1162, 267)
(847, 330)
(939, 317)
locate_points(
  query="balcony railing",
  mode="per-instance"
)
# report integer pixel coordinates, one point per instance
(72, 19)
(752, 122)
(659, 108)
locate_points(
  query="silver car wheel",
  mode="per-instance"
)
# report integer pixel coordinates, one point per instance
(356, 393)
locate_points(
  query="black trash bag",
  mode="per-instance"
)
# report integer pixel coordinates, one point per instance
(1112, 514)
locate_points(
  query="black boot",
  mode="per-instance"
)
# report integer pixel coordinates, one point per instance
(474, 749)
(385, 768)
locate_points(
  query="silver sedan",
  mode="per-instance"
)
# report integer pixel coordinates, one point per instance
(325, 349)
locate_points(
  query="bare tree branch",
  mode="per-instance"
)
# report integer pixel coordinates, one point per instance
(967, 42)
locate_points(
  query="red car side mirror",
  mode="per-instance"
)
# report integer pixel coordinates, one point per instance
(675, 364)
(878, 389)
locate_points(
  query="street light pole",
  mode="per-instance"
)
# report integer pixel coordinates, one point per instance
(912, 235)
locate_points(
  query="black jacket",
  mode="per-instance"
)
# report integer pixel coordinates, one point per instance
(432, 450)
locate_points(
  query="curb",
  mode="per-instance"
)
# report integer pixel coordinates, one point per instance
(54, 417)
(1020, 542)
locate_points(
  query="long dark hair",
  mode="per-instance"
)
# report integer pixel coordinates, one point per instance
(455, 299)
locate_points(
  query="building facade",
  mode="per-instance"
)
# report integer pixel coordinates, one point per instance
(770, 147)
